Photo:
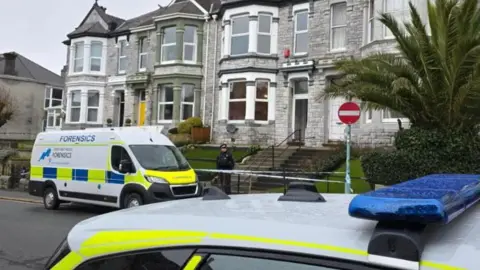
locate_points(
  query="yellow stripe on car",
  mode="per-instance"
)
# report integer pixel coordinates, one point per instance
(70, 261)
(193, 262)
(108, 242)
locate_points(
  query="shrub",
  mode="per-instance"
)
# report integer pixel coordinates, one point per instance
(195, 121)
(419, 152)
(179, 139)
(184, 128)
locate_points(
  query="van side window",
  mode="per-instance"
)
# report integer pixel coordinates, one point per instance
(118, 154)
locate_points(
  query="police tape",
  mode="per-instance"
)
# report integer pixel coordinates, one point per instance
(242, 172)
(272, 172)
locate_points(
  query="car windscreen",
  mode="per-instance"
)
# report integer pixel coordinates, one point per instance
(160, 157)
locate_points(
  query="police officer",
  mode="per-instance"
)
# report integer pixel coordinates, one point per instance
(225, 161)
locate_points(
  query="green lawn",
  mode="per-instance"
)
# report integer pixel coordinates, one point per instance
(356, 172)
(208, 153)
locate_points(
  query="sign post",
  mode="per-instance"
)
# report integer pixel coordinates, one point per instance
(348, 113)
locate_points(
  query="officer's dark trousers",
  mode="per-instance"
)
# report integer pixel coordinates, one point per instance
(226, 182)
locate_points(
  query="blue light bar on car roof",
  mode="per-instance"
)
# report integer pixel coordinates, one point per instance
(436, 198)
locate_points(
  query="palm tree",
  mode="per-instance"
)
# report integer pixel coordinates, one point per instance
(434, 80)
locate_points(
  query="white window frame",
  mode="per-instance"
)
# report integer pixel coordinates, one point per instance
(399, 15)
(182, 103)
(55, 113)
(371, 21)
(122, 44)
(159, 120)
(269, 34)
(50, 97)
(194, 44)
(88, 108)
(142, 52)
(86, 60)
(392, 120)
(76, 58)
(261, 99)
(295, 32)
(368, 116)
(232, 35)
(168, 45)
(230, 85)
(96, 57)
(70, 106)
(332, 27)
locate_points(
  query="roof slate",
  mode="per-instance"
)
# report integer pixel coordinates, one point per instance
(28, 69)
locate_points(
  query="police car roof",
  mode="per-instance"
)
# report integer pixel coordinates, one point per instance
(129, 135)
(260, 220)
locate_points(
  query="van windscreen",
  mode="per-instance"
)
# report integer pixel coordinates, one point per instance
(160, 157)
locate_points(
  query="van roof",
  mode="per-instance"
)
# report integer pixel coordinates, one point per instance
(262, 221)
(128, 135)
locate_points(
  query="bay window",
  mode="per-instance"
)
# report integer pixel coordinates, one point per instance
(261, 100)
(75, 105)
(237, 103)
(190, 44)
(122, 56)
(165, 103)
(187, 101)
(96, 48)
(300, 42)
(93, 103)
(399, 9)
(78, 52)
(169, 44)
(264, 35)
(240, 35)
(338, 20)
(142, 54)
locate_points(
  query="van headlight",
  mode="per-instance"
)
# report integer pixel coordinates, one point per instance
(154, 179)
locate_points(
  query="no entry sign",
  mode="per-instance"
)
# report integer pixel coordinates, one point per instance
(349, 113)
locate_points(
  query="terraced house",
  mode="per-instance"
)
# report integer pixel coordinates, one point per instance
(147, 70)
(253, 71)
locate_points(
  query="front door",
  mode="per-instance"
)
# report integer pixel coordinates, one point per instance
(336, 127)
(300, 109)
(141, 107)
(119, 108)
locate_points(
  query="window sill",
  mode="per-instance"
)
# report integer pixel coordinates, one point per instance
(142, 70)
(87, 73)
(249, 55)
(178, 63)
(394, 120)
(341, 50)
(247, 122)
(299, 55)
(121, 72)
(164, 121)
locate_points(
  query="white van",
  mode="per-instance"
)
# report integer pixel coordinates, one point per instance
(117, 167)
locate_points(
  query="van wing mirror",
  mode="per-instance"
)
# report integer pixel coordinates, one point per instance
(125, 166)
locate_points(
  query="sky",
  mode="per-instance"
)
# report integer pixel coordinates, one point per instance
(36, 28)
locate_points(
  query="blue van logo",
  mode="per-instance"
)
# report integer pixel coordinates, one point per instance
(45, 154)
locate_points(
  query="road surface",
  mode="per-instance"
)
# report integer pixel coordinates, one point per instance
(29, 234)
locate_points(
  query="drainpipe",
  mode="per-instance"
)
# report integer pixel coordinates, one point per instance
(214, 17)
(206, 70)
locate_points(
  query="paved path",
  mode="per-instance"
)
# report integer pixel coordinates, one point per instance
(29, 233)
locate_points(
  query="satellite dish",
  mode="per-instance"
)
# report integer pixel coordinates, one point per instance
(231, 128)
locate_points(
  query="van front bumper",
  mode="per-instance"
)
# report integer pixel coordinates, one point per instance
(164, 192)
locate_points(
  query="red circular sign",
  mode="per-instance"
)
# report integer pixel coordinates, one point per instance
(349, 113)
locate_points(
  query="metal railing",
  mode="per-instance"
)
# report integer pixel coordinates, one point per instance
(249, 168)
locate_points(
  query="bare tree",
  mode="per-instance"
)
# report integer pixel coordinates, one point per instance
(7, 105)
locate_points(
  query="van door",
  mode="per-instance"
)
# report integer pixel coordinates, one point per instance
(116, 179)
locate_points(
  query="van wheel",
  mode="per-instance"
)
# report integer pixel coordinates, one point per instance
(50, 199)
(132, 200)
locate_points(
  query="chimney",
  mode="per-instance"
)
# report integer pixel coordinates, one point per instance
(10, 59)
(63, 72)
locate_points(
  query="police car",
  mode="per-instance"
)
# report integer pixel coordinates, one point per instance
(427, 223)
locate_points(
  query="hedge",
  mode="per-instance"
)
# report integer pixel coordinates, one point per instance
(419, 152)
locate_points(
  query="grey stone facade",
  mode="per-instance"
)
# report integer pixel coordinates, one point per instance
(321, 113)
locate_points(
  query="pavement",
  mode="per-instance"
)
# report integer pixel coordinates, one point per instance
(29, 234)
